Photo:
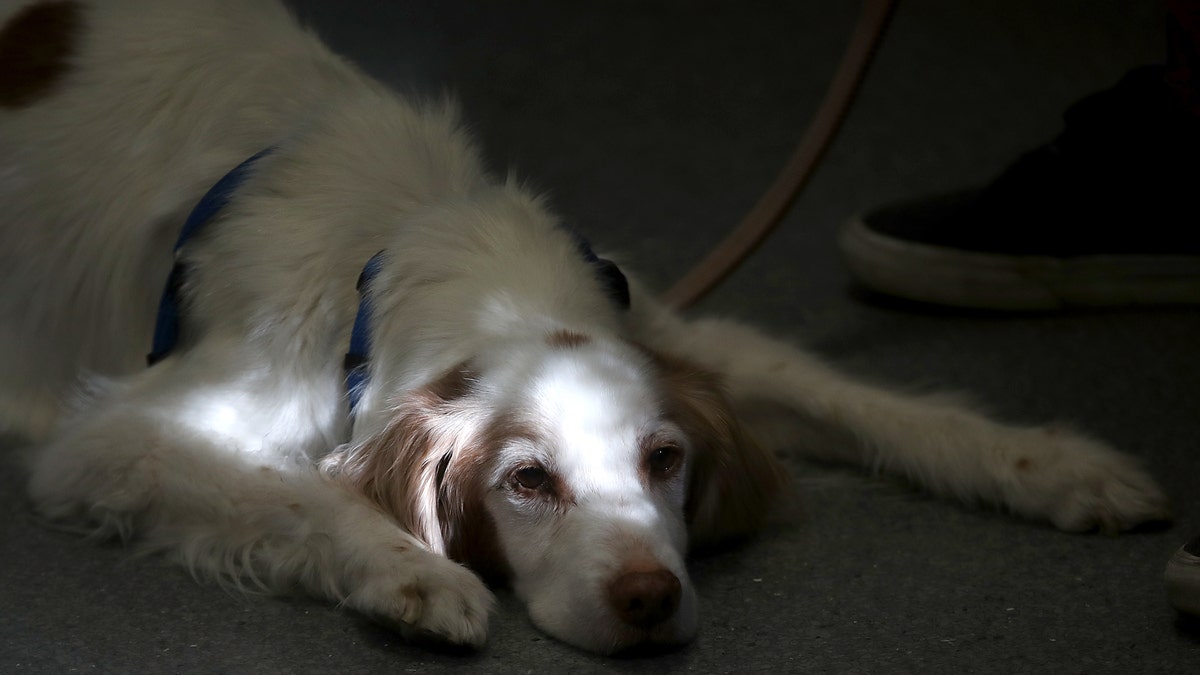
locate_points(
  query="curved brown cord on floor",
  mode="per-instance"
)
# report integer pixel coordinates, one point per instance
(775, 202)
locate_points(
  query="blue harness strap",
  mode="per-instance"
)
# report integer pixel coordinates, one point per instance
(357, 359)
(166, 324)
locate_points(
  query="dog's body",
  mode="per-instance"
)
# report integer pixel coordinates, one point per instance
(517, 419)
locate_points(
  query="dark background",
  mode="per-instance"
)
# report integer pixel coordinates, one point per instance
(654, 125)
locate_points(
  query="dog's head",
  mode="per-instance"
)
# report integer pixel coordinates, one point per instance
(577, 468)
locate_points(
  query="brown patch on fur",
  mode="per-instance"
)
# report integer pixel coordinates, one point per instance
(36, 46)
(451, 386)
(428, 476)
(566, 339)
(734, 480)
(1024, 464)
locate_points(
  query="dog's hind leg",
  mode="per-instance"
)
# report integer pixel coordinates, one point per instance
(1046, 472)
(174, 470)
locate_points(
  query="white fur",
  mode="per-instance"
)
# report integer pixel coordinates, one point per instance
(212, 455)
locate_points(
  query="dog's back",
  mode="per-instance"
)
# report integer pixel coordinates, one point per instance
(115, 117)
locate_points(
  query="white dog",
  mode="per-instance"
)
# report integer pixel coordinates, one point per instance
(515, 407)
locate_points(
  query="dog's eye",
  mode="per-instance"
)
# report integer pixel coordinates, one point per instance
(530, 478)
(663, 461)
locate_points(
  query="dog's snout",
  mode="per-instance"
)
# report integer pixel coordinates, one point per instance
(645, 599)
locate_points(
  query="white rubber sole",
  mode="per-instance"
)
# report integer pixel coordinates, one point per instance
(946, 276)
(1182, 579)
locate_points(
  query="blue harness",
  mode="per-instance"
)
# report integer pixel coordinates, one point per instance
(166, 325)
(356, 363)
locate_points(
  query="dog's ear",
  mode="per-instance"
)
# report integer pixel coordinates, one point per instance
(427, 469)
(733, 480)
(468, 531)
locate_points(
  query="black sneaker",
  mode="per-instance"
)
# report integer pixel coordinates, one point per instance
(1183, 577)
(1106, 214)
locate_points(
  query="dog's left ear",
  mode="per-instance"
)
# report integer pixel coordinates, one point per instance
(734, 480)
(426, 469)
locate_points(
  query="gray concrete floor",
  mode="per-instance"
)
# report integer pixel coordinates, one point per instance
(654, 124)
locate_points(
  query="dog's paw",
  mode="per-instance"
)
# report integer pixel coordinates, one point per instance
(1111, 495)
(1081, 485)
(434, 599)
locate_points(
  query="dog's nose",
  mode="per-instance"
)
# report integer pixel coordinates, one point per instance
(645, 599)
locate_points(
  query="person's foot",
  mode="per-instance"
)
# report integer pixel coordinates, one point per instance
(1106, 214)
(1183, 578)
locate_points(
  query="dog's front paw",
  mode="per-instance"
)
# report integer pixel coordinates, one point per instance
(1082, 485)
(434, 598)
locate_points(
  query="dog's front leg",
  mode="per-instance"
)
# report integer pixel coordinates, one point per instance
(1048, 473)
(178, 474)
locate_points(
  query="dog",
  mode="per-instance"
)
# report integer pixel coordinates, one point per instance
(382, 375)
